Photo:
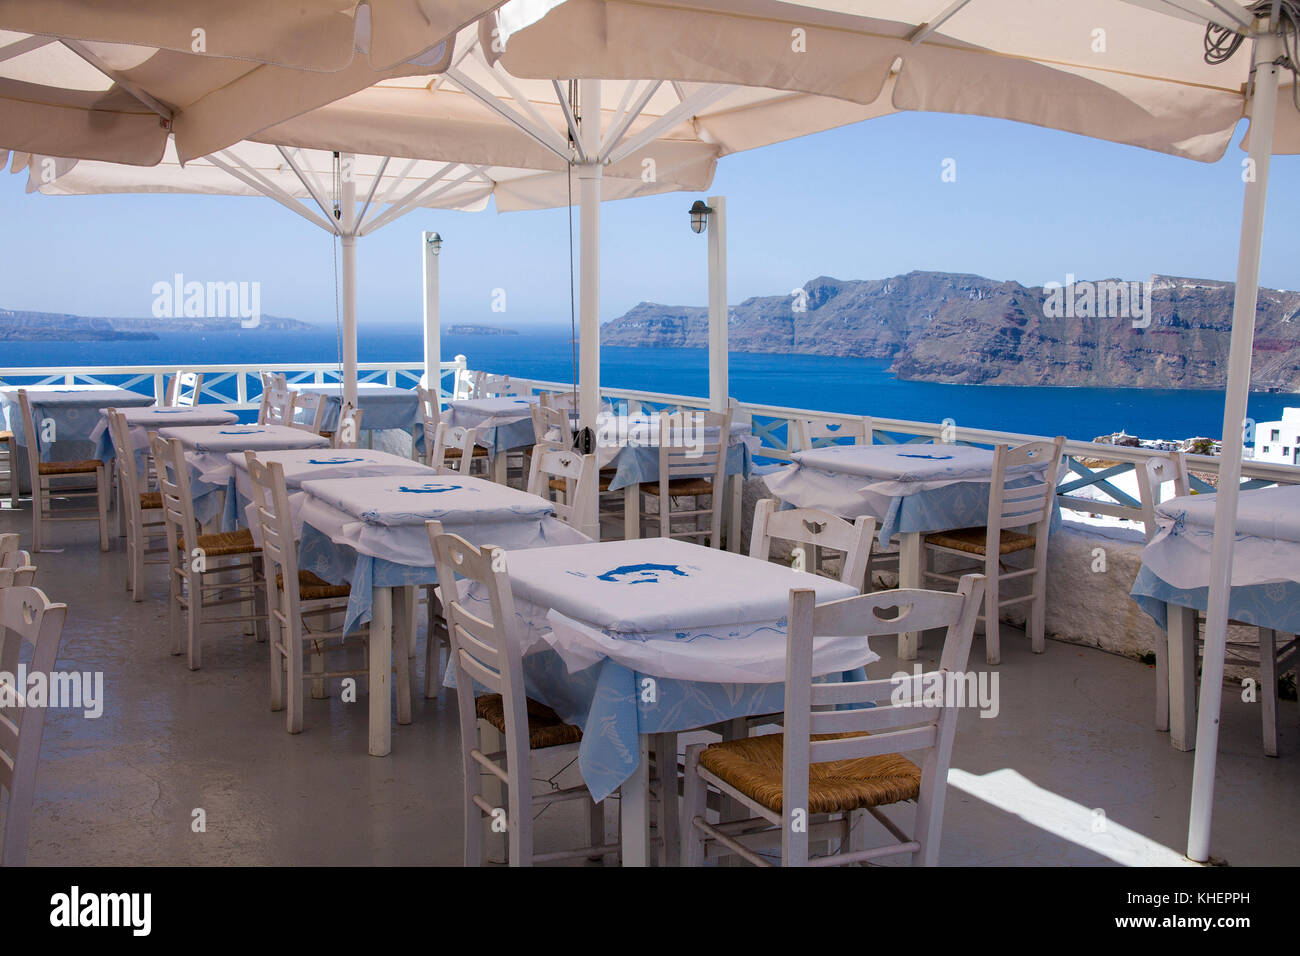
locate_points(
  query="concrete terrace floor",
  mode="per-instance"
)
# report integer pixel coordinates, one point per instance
(1074, 740)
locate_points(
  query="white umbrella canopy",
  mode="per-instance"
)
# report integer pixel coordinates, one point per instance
(109, 81)
(1130, 71)
(1158, 74)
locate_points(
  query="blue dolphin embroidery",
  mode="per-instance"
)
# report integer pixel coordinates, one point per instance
(333, 461)
(640, 573)
(429, 489)
(246, 431)
(930, 457)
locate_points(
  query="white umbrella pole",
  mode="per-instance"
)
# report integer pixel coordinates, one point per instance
(589, 268)
(1264, 108)
(432, 319)
(718, 369)
(348, 207)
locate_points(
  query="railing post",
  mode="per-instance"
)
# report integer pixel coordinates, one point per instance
(159, 388)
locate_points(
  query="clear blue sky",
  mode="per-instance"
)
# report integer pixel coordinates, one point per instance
(865, 201)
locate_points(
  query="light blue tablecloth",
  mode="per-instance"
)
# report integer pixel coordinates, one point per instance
(73, 412)
(635, 465)
(1275, 606)
(382, 406)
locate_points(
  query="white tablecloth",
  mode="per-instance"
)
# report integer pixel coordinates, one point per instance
(671, 609)
(207, 446)
(1266, 551)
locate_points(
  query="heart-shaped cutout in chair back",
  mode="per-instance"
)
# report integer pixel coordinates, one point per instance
(892, 614)
(814, 527)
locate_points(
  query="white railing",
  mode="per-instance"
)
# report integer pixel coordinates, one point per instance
(236, 387)
(771, 423)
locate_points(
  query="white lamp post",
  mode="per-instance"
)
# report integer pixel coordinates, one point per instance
(714, 216)
(432, 245)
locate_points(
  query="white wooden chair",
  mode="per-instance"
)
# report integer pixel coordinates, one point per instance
(347, 433)
(429, 405)
(9, 465)
(271, 382)
(1164, 476)
(301, 606)
(811, 530)
(43, 474)
(485, 652)
(1019, 520)
(27, 618)
(691, 465)
(278, 407)
(551, 425)
(455, 449)
(142, 510)
(202, 568)
(308, 411)
(557, 469)
(831, 763)
(184, 389)
(820, 432)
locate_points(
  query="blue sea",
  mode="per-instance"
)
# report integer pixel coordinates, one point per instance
(861, 386)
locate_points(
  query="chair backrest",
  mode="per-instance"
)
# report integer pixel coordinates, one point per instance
(174, 487)
(551, 425)
(184, 389)
(576, 506)
(1169, 468)
(120, 432)
(448, 436)
(33, 437)
(819, 432)
(8, 546)
(693, 443)
(901, 718)
(347, 433)
(1031, 504)
(430, 407)
(27, 618)
(495, 386)
(483, 651)
(275, 526)
(811, 529)
(278, 407)
(16, 566)
(310, 408)
(566, 401)
(271, 382)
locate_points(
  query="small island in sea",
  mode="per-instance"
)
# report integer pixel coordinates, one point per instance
(24, 326)
(476, 330)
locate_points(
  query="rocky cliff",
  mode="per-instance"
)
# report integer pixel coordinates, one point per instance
(944, 327)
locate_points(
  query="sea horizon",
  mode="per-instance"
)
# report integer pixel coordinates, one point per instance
(816, 382)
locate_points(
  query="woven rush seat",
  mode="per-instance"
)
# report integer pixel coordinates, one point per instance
(87, 467)
(479, 452)
(545, 728)
(558, 484)
(681, 486)
(753, 766)
(150, 499)
(224, 543)
(972, 540)
(311, 587)
(6, 436)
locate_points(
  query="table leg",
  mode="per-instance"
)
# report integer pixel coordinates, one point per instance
(634, 809)
(736, 490)
(403, 638)
(500, 463)
(413, 616)
(381, 666)
(632, 512)
(1182, 677)
(911, 568)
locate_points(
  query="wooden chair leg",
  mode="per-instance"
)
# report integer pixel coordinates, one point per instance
(432, 649)
(473, 815)
(992, 624)
(102, 500)
(694, 804)
(194, 620)
(669, 811)
(293, 679)
(1268, 688)
(275, 643)
(38, 514)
